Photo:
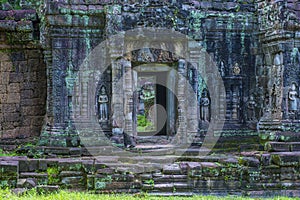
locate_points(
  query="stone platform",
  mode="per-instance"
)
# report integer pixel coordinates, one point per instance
(252, 173)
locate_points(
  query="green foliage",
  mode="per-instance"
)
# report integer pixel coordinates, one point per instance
(4, 153)
(53, 175)
(16, 4)
(3, 1)
(143, 124)
(150, 182)
(65, 195)
(142, 121)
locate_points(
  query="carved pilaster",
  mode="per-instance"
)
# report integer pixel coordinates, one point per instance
(182, 105)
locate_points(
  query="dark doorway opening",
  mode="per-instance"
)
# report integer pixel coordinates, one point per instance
(156, 107)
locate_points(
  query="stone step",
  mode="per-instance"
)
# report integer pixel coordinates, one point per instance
(282, 146)
(200, 151)
(168, 194)
(285, 159)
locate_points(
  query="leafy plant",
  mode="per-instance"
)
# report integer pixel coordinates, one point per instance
(150, 182)
(5, 153)
(53, 175)
(142, 120)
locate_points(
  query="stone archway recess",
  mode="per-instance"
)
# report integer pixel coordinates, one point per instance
(122, 86)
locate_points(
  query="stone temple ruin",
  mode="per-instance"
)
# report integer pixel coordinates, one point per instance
(170, 78)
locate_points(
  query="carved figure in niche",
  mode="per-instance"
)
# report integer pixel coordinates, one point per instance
(267, 106)
(251, 105)
(261, 102)
(292, 98)
(103, 104)
(236, 69)
(222, 69)
(205, 106)
(274, 95)
(141, 105)
(295, 56)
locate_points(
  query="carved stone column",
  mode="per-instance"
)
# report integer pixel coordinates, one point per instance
(182, 102)
(128, 99)
(67, 43)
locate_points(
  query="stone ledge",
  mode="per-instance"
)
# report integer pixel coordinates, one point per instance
(18, 15)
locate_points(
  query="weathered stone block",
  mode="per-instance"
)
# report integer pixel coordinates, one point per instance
(295, 146)
(4, 78)
(106, 171)
(8, 125)
(13, 98)
(37, 122)
(36, 65)
(9, 169)
(203, 184)
(28, 165)
(24, 26)
(194, 169)
(59, 142)
(14, 88)
(277, 147)
(4, 57)
(3, 89)
(75, 151)
(73, 182)
(217, 185)
(31, 102)
(8, 25)
(28, 183)
(249, 161)
(233, 185)
(286, 159)
(9, 108)
(3, 98)
(33, 54)
(12, 117)
(289, 174)
(70, 165)
(171, 169)
(33, 110)
(43, 165)
(210, 169)
(6, 66)
(71, 173)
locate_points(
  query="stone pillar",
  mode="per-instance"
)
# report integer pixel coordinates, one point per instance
(171, 85)
(192, 111)
(182, 102)
(272, 116)
(67, 39)
(128, 99)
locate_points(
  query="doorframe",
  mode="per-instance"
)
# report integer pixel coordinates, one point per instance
(170, 84)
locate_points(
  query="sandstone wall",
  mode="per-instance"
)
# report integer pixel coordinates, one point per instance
(22, 75)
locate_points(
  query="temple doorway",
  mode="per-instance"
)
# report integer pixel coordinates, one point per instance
(155, 102)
